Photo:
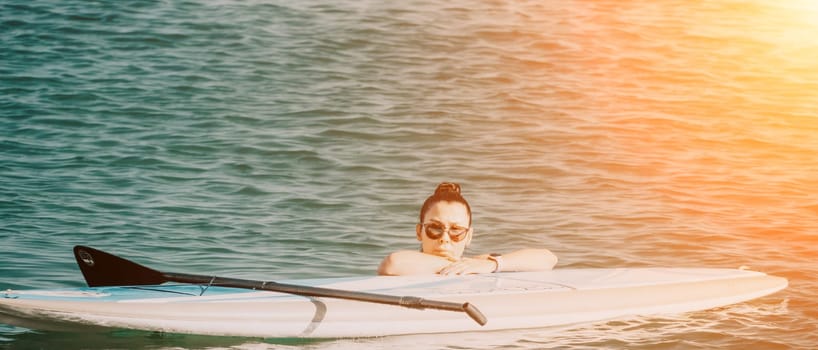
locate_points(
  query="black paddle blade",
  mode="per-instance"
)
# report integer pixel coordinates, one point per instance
(102, 269)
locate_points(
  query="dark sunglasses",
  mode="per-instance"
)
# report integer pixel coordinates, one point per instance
(435, 231)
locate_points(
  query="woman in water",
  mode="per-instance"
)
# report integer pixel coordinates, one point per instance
(444, 233)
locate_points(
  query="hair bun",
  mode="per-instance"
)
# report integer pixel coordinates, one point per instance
(447, 187)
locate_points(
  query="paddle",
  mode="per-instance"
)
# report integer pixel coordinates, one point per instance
(104, 269)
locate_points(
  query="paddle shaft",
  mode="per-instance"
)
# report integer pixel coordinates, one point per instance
(405, 301)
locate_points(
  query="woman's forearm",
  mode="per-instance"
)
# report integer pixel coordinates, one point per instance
(529, 260)
(409, 262)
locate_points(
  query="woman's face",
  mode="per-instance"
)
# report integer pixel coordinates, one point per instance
(449, 217)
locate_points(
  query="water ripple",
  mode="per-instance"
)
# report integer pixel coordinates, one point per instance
(271, 139)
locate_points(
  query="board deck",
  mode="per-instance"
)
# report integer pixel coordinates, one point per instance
(509, 300)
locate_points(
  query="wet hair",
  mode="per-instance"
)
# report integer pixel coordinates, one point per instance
(445, 192)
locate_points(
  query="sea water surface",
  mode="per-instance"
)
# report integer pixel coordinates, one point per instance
(297, 139)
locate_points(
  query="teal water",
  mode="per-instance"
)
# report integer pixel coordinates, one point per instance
(279, 140)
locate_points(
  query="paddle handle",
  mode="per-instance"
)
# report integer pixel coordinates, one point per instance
(475, 314)
(420, 303)
(468, 308)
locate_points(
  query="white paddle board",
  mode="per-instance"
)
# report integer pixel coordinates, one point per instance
(508, 300)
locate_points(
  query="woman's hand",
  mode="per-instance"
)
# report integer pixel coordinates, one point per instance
(468, 266)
